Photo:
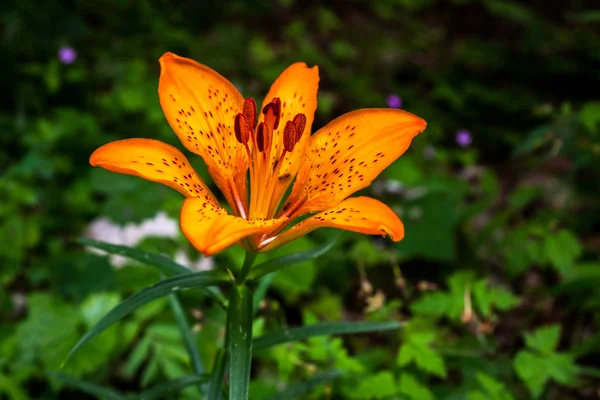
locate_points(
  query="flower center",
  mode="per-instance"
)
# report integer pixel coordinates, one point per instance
(264, 159)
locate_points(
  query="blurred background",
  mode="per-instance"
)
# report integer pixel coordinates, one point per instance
(499, 273)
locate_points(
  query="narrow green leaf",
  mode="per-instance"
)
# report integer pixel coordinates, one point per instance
(176, 385)
(277, 263)
(188, 338)
(88, 387)
(261, 290)
(162, 263)
(216, 376)
(163, 288)
(240, 341)
(300, 390)
(326, 328)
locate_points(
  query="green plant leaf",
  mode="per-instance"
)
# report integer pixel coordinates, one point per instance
(562, 250)
(160, 262)
(188, 338)
(240, 341)
(542, 363)
(288, 260)
(326, 328)
(491, 389)
(416, 348)
(88, 387)
(174, 386)
(300, 390)
(163, 288)
(378, 386)
(216, 375)
(544, 339)
(413, 389)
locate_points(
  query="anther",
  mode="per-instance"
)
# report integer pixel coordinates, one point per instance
(241, 128)
(290, 136)
(261, 137)
(275, 108)
(249, 111)
(300, 122)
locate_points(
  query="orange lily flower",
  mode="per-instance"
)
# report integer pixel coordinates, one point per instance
(254, 160)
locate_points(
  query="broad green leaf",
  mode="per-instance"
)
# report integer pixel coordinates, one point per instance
(326, 328)
(301, 390)
(240, 341)
(11, 388)
(532, 371)
(537, 367)
(544, 339)
(216, 375)
(416, 348)
(379, 386)
(162, 263)
(291, 259)
(95, 306)
(175, 386)
(562, 249)
(491, 389)
(163, 288)
(410, 386)
(88, 387)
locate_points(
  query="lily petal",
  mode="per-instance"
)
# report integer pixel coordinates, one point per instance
(296, 88)
(152, 160)
(357, 214)
(200, 105)
(211, 228)
(348, 154)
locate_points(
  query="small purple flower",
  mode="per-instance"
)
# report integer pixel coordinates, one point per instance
(67, 55)
(394, 101)
(463, 138)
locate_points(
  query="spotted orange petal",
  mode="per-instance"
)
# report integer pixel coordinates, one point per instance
(212, 229)
(152, 160)
(296, 88)
(357, 214)
(348, 154)
(200, 106)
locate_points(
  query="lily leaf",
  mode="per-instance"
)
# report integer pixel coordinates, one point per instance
(158, 261)
(326, 328)
(176, 385)
(216, 376)
(277, 263)
(88, 387)
(163, 288)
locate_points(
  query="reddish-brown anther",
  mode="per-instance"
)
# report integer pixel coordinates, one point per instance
(289, 136)
(300, 122)
(249, 111)
(275, 107)
(241, 128)
(261, 137)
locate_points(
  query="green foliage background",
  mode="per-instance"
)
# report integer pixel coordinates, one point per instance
(498, 275)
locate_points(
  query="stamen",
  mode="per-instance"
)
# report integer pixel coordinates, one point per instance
(249, 111)
(273, 108)
(241, 128)
(261, 137)
(290, 135)
(300, 122)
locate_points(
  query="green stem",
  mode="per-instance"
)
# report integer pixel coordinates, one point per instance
(240, 341)
(248, 261)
